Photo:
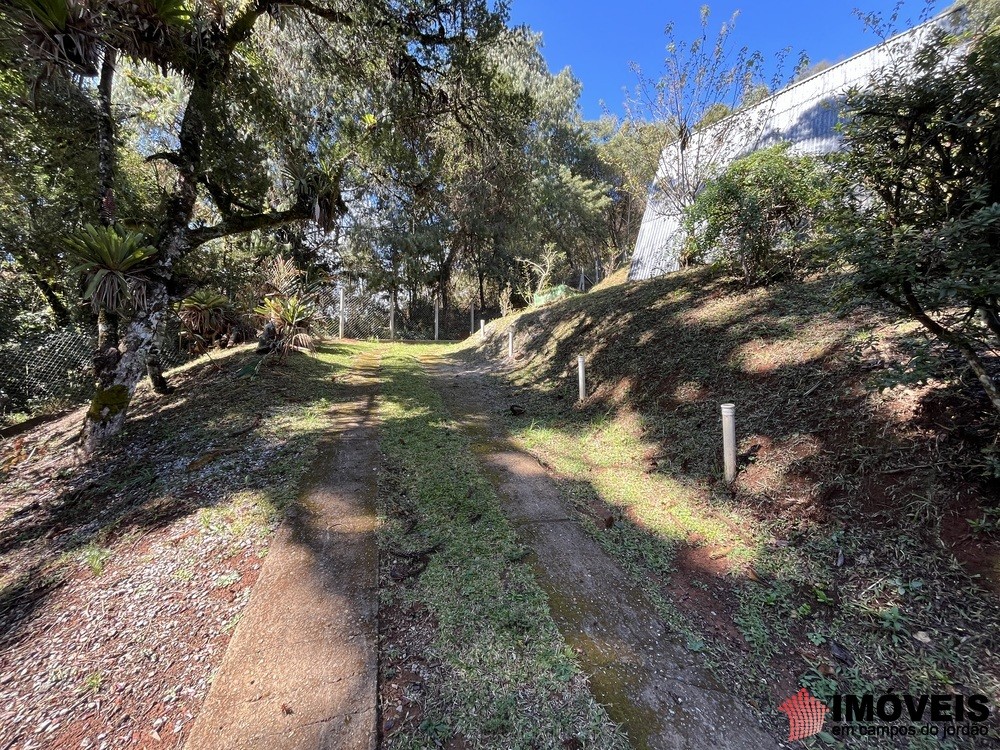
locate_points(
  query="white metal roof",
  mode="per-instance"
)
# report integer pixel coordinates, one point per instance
(804, 114)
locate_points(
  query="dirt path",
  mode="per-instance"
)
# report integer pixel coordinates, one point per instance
(648, 682)
(300, 671)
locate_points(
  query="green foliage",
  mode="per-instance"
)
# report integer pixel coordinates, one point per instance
(289, 309)
(761, 215)
(205, 316)
(923, 230)
(112, 260)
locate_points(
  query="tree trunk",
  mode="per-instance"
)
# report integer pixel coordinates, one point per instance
(117, 380)
(106, 141)
(955, 340)
(60, 312)
(118, 377)
(107, 330)
(154, 367)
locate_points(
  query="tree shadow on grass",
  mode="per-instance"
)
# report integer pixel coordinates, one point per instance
(842, 491)
(220, 434)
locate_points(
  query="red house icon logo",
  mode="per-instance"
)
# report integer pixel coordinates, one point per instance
(805, 715)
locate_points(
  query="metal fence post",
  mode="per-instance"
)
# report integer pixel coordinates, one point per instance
(472, 319)
(581, 367)
(343, 313)
(729, 441)
(392, 316)
(437, 319)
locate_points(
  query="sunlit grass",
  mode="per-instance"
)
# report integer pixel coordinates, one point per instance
(507, 678)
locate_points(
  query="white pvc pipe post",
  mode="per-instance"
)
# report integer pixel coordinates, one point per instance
(437, 317)
(729, 441)
(482, 327)
(510, 343)
(343, 313)
(392, 317)
(581, 366)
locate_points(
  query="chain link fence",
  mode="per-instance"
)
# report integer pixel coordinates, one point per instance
(367, 316)
(46, 370)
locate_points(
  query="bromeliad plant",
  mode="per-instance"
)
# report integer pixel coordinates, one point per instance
(112, 261)
(209, 319)
(288, 310)
(292, 319)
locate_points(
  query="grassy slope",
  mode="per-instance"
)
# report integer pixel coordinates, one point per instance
(832, 561)
(470, 655)
(121, 581)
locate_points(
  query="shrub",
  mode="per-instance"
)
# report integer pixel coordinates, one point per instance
(923, 231)
(210, 319)
(761, 216)
(288, 310)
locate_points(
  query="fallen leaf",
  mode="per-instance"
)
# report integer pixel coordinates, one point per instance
(206, 458)
(923, 636)
(841, 654)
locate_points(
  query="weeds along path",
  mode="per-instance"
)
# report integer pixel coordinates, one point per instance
(300, 671)
(469, 656)
(650, 683)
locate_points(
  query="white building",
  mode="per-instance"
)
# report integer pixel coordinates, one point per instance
(804, 114)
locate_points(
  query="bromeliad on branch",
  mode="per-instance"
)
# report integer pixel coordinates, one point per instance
(259, 81)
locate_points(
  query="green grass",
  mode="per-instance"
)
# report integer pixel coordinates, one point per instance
(506, 678)
(95, 557)
(826, 485)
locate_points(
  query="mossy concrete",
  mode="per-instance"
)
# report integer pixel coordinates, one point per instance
(660, 691)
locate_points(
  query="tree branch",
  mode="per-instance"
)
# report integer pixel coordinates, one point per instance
(168, 156)
(224, 200)
(240, 223)
(242, 27)
(327, 14)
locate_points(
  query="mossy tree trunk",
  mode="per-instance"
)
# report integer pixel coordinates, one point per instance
(119, 374)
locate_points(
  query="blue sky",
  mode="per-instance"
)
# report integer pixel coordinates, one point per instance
(598, 39)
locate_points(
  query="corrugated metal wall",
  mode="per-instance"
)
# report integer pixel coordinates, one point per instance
(804, 114)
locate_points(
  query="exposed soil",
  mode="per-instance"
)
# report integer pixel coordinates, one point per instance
(405, 635)
(116, 659)
(121, 580)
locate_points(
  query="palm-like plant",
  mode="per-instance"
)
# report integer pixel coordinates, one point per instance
(71, 34)
(292, 319)
(112, 259)
(205, 315)
(62, 33)
(283, 278)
